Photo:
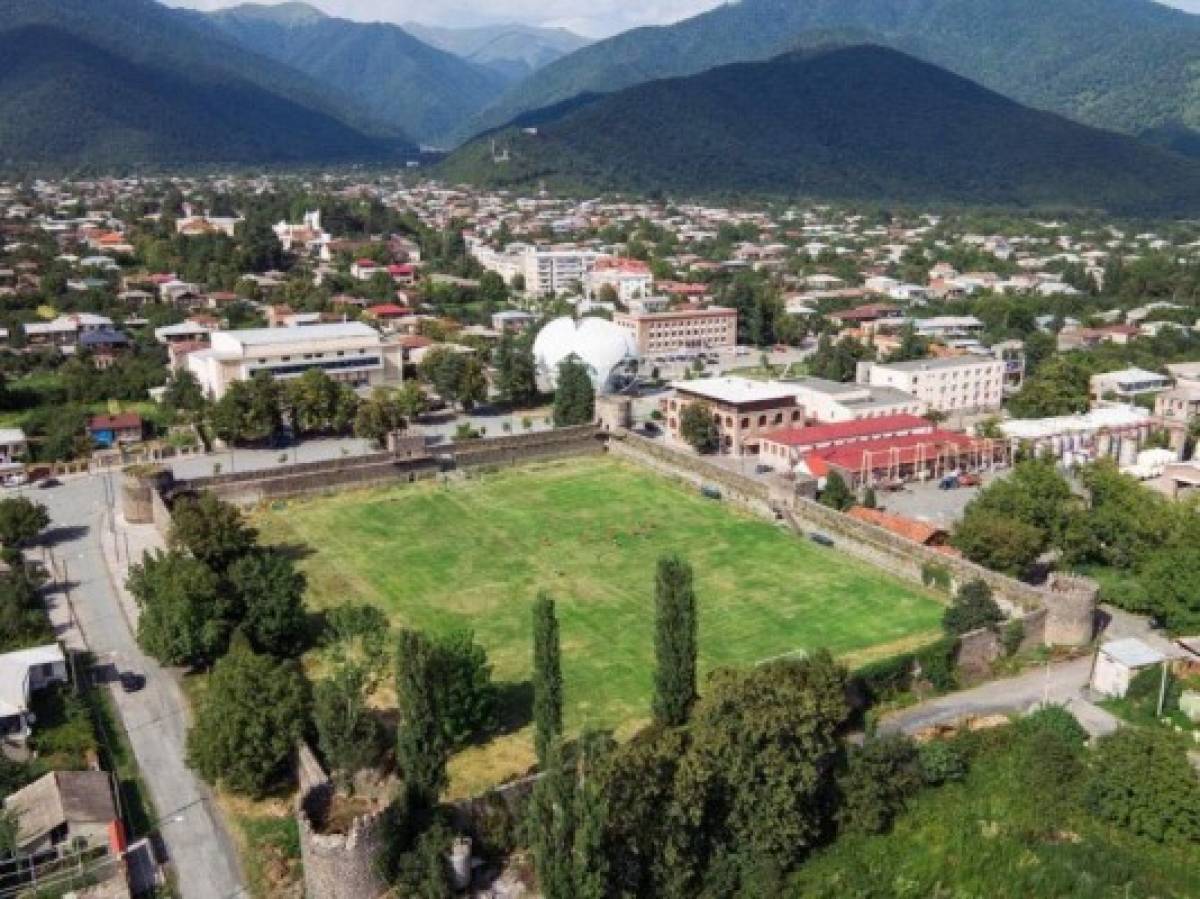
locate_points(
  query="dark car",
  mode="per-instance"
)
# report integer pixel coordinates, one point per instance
(49, 482)
(821, 539)
(131, 681)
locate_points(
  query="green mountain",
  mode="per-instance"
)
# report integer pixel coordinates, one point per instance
(1127, 65)
(131, 83)
(396, 78)
(860, 122)
(512, 50)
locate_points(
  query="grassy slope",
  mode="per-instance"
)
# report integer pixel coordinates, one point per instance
(990, 836)
(590, 532)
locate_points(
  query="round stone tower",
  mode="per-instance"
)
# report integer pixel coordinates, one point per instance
(345, 864)
(1070, 610)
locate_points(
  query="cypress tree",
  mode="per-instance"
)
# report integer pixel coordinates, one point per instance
(547, 678)
(675, 629)
(574, 398)
(421, 744)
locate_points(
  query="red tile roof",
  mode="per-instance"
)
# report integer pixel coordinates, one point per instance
(863, 428)
(387, 310)
(909, 528)
(907, 449)
(125, 420)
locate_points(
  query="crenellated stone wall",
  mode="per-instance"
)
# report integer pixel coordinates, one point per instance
(337, 865)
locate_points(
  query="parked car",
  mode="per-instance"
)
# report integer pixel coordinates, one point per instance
(49, 482)
(16, 480)
(948, 483)
(822, 539)
(131, 681)
(969, 480)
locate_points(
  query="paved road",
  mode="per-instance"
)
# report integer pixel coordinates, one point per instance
(156, 717)
(1057, 684)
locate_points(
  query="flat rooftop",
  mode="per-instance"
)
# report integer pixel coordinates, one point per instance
(301, 333)
(737, 390)
(941, 364)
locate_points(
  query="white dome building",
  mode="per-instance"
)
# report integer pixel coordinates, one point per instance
(607, 350)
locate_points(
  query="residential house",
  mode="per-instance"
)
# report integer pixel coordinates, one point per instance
(66, 812)
(111, 430)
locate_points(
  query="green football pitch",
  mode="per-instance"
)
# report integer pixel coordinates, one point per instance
(475, 553)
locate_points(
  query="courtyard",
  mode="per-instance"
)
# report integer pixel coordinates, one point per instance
(476, 552)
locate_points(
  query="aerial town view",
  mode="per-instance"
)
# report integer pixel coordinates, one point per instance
(600, 450)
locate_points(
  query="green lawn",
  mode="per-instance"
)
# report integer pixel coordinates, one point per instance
(589, 531)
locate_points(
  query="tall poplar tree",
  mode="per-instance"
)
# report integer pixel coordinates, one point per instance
(675, 628)
(547, 678)
(421, 743)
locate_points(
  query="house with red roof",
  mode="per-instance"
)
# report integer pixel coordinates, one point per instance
(923, 532)
(906, 458)
(111, 430)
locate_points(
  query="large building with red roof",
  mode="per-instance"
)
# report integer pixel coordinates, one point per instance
(783, 449)
(906, 458)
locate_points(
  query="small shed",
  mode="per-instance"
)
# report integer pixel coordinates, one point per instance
(1118, 661)
(65, 810)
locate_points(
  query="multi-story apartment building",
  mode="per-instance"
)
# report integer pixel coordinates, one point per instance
(630, 279)
(350, 352)
(663, 333)
(744, 410)
(557, 270)
(951, 384)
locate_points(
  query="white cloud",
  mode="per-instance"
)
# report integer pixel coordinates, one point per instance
(1186, 5)
(595, 18)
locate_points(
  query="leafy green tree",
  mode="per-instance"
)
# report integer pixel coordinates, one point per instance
(472, 387)
(1170, 587)
(675, 642)
(973, 608)
(565, 824)
(759, 777)
(443, 368)
(186, 618)
(253, 712)
(1001, 543)
(637, 781)
(422, 747)
(574, 396)
(1017, 518)
(1059, 387)
(23, 620)
(347, 733)
(517, 372)
(380, 415)
(317, 403)
(547, 678)
(1125, 522)
(941, 762)
(183, 392)
(270, 593)
(21, 520)
(246, 412)
(911, 346)
(880, 777)
(836, 495)
(1142, 781)
(211, 530)
(466, 696)
(837, 361)
(698, 427)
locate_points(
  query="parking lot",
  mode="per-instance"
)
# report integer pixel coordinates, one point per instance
(928, 502)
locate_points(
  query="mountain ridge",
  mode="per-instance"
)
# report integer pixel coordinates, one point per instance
(1120, 64)
(855, 122)
(131, 82)
(394, 76)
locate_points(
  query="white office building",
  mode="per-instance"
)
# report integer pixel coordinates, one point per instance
(953, 384)
(350, 352)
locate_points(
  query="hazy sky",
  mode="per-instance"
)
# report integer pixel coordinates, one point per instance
(594, 18)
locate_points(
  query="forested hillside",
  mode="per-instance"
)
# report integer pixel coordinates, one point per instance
(1127, 65)
(850, 122)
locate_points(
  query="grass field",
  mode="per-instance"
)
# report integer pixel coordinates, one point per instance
(589, 531)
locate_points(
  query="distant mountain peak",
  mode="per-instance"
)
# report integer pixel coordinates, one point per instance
(291, 13)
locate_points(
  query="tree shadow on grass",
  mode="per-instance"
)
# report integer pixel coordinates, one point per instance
(514, 710)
